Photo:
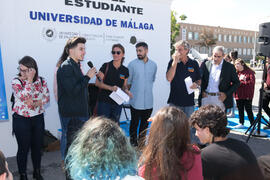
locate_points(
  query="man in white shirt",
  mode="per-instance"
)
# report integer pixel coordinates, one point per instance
(219, 81)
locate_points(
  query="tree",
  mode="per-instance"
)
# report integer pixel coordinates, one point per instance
(183, 17)
(207, 39)
(175, 27)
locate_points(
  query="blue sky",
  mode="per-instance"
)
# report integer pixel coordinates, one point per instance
(239, 14)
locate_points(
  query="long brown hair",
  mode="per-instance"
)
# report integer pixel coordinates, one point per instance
(169, 138)
(242, 62)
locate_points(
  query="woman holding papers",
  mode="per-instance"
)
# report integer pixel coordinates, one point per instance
(245, 92)
(112, 76)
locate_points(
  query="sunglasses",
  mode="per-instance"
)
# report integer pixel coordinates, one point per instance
(116, 52)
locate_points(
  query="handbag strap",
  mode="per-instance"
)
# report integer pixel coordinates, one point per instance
(106, 70)
(107, 67)
(99, 90)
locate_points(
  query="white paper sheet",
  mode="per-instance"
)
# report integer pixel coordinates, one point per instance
(119, 96)
(189, 82)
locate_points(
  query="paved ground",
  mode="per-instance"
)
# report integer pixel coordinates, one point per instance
(51, 161)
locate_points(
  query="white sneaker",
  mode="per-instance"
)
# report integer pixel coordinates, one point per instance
(239, 126)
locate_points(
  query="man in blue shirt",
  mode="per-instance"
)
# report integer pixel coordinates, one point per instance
(179, 68)
(142, 73)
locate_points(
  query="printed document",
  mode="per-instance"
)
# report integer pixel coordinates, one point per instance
(189, 83)
(119, 96)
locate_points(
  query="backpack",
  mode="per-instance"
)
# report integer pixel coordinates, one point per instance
(12, 98)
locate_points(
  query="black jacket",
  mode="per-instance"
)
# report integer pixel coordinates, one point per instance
(72, 89)
(228, 83)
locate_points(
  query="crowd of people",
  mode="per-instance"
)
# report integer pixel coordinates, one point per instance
(93, 146)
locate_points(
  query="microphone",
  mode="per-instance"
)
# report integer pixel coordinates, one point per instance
(90, 64)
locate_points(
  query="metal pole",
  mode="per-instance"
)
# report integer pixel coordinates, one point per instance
(254, 50)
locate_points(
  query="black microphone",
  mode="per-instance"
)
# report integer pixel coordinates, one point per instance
(90, 64)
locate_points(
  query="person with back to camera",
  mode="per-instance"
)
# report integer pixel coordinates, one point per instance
(5, 174)
(168, 153)
(224, 158)
(245, 92)
(101, 151)
(31, 94)
(112, 75)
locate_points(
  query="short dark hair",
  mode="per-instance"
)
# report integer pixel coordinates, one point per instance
(142, 44)
(3, 168)
(30, 62)
(213, 117)
(234, 55)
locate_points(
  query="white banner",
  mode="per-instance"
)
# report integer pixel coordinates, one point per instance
(41, 28)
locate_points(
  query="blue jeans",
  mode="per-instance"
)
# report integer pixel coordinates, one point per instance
(29, 132)
(188, 110)
(63, 143)
(112, 111)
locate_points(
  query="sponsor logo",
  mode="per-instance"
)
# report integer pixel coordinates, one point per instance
(122, 76)
(190, 69)
(49, 34)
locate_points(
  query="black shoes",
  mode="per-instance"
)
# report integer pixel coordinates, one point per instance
(23, 177)
(37, 175)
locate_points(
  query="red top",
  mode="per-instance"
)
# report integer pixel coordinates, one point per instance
(247, 84)
(195, 173)
(268, 77)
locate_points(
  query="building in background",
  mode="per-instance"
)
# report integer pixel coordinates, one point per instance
(232, 39)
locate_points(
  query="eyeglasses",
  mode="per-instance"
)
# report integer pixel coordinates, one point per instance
(116, 52)
(22, 71)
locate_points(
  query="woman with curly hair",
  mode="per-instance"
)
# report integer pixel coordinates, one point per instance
(101, 151)
(224, 158)
(168, 154)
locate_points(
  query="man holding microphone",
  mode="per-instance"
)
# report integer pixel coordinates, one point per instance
(72, 88)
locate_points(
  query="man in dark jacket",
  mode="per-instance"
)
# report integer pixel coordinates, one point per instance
(72, 88)
(219, 81)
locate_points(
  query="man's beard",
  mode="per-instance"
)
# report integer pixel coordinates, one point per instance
(141, 57)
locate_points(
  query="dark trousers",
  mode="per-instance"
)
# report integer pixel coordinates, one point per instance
(112, 111)
(74, 125)
(136, 116)
(265, 103)
(29, 133)
(243, 104)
